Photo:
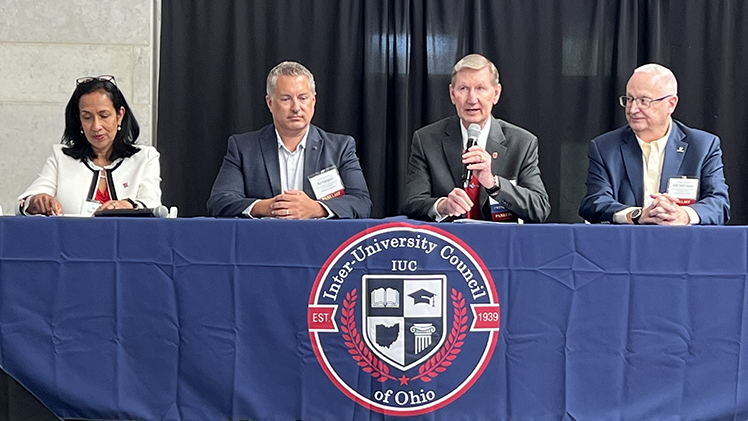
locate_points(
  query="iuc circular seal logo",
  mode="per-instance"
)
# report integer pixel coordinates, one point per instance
(410, 308)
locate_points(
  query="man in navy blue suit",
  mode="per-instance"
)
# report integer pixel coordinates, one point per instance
(290, 169)
(655, 170)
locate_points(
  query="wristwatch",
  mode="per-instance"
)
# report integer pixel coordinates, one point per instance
(496, 186)
(635, 215)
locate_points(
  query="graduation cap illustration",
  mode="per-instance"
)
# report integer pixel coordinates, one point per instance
(422, 296)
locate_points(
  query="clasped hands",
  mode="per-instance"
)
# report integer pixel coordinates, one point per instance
(45, 204)
(291, 204)
(664, 210)
(457, 201)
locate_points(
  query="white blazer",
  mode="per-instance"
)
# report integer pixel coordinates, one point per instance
(72, 182)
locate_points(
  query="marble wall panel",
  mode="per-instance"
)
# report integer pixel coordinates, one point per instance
(143, 113)
(27, 133)
(76, 21)
(47, 72)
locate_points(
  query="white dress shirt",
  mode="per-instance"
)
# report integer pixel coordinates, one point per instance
(653, 156)
(291, 170)
(482, 140)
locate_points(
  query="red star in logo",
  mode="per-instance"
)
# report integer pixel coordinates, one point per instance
(125, 185)
(403, 380)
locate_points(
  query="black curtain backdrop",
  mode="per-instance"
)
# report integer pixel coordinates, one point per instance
(18, 404)
(383, 69)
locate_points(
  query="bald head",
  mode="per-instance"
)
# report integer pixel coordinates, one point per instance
(660, 76)
(654, 93)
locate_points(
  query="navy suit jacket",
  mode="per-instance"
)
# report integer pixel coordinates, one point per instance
(615, 176)
(251, 171)
(435, 168)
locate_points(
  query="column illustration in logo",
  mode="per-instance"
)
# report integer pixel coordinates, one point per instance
(403, 316)
(416, 310)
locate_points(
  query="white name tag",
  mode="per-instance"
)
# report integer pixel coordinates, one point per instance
(327, 184)
(89, 207)
(686, 190)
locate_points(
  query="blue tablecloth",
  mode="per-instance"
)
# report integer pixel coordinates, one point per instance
(203, 319)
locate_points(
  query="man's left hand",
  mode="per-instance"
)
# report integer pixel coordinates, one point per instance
(295, 204)
(479, 161)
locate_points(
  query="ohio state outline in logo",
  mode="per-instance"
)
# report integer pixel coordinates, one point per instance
(410, 307)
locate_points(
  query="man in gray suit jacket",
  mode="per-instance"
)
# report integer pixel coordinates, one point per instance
(506, 179)
(285, 169)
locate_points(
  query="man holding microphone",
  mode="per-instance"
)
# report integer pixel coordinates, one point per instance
(497, 178)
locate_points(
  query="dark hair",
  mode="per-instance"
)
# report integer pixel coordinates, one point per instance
(77, 144)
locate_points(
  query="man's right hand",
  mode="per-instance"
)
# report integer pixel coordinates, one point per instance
(43, 204)
(456, 203)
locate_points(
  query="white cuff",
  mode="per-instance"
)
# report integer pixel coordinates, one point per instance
(692, 215)
(434, 214)
(248, 212)
(22, 210)
(330, 213)
(621, 217)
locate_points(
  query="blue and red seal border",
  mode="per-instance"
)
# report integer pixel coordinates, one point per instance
(322, 319)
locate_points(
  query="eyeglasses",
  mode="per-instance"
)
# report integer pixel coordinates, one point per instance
(100, 78)
(625, 101)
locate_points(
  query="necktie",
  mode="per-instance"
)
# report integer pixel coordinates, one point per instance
(473, 192)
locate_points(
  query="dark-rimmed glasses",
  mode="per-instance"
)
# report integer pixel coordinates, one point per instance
(641, 102)
(100, 78)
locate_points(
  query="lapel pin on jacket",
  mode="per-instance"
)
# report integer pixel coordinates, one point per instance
(495, 155)
(680, 149)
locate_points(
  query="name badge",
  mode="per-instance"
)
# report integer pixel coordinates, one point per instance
(327, 184)
(89, 207)
(685, 189)
(501, 214)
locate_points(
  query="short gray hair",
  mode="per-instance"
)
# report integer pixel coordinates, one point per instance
(476, 62)
(664, 76)
(288, 68)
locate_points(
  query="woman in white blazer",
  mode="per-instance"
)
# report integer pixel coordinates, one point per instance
(97, 166)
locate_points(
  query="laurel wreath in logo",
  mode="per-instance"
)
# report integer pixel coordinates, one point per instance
(356, 347)
(378, 369)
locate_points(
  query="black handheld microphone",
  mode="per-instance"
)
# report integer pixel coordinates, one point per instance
(473, 132)
(157, 212)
